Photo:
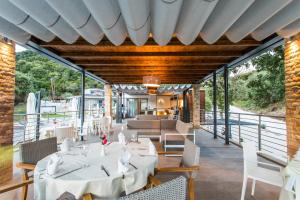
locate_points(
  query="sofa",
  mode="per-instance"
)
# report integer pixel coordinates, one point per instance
(145, 128)
(171, 132)
(174, 132)
(151, 117)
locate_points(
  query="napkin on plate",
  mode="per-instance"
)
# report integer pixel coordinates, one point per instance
(66, 145)
(152, 150)
(123, 162)
(53, 164)
(121, 138)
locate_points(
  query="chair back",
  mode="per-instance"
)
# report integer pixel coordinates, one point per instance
(171, 190)
(250, 155)
(32, 152)
(64, 132)
(191, 155)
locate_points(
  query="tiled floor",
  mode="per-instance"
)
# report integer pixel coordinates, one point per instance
(220, 176)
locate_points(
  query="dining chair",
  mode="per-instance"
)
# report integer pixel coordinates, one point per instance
(258, 171)
(292, 188)
(30, 154)
(171, 190)
(189, 164)
(69, 196)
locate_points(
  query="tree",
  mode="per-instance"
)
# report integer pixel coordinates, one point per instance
(34, 73)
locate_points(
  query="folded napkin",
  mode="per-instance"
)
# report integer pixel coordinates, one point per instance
(53, 164)
(123, 162)
(66, 145)
(121, 138)
(152, 150)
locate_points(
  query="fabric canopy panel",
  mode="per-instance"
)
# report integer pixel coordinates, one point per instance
(141, 19)
(164, 89)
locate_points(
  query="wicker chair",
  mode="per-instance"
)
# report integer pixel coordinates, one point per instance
(189, 164)
(30, 154)
(172, 190)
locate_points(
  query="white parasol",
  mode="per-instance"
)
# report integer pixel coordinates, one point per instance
(31, 117)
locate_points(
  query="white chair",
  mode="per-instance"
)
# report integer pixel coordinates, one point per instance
(293, 188)
(255, 170)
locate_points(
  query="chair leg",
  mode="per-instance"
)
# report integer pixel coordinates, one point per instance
(244, 187)
(191, 189)
(87, 196)
(24, 188)
(253, 187)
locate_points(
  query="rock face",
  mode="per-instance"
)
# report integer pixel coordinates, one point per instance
(292, 93)
(7, 91)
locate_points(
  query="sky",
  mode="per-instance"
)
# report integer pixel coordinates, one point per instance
(20, 48)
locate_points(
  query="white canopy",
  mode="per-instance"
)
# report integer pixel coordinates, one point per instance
(161, 19)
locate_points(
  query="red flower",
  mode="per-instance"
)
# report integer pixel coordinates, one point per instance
(104, 141)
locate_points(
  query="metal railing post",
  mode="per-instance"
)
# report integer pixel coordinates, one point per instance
(259, 132)
(239, 123)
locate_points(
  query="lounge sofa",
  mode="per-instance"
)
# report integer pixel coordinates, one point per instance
(145, 128)
(174, 132)
(151, 117)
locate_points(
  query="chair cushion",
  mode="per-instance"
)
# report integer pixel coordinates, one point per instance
(266, 175)
(191, 155)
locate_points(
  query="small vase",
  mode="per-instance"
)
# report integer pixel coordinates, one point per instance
(102, 150)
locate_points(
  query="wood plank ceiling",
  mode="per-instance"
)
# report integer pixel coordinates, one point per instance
(174, 63)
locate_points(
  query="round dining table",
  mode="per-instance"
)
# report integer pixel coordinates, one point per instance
(84, 170)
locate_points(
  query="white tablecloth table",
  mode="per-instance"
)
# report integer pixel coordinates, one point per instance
(292, 169)
(88, 177)
(60, 132)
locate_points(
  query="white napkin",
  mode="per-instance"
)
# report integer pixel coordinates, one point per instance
(53, 164)
(123, 162)
(121, 138)
(152, 150)
(66, 145)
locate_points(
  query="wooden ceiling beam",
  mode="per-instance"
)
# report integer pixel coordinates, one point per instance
(174, 42)
(150, 69)
(144, 73)
(88, 64)
(125, 55)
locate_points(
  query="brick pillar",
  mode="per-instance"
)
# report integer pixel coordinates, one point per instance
(7, 91)
(108, 100)
(196, 105)
(202, 105)
(292, 93)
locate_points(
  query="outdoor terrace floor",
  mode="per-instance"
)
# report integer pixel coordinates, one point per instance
(220, 176)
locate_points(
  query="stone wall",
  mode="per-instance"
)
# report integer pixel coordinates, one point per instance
(292, 94)
(7, 91)
(196, 105)
(108, 100)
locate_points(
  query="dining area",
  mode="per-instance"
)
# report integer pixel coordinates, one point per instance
(101, 167)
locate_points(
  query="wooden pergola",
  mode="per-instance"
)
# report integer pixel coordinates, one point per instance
(174, 63)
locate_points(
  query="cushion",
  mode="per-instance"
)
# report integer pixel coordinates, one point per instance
(191, 154)
(146, 117)
(168, 124)
(143, 124)
(182, 127)
(171, 137)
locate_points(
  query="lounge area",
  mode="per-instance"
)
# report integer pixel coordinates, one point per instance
(149, 111)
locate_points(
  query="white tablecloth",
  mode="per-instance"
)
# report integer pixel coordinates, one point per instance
(292, 169)
(92, 179)
(60, 132)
